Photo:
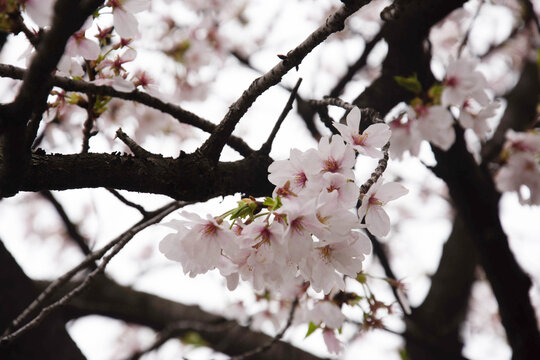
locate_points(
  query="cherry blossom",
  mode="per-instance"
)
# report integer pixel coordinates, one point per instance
(299, 170)
(522, 167)
(375, 136)
(377, 220)
(326, 258)
(473, 116)
(125, 23)
(40, 11)
(434, 124)
(197, 243)
(405, 137)
(463, 81)
(335, 156)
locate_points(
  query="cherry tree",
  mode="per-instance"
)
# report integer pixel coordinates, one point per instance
(280, 150)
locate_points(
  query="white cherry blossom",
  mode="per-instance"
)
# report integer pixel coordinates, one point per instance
(197, 243)
(40, 11)
(335, 156)
(375, 136)
(434, 124)
(377, 220)
(463, 81)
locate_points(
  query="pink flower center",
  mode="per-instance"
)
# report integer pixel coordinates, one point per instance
(326, 253)
(300, 179)
(360, 139)
(210, 229)
(331, 165)
(374, 201)
(452, 81)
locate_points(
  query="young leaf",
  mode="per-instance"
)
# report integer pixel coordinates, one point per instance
(409, 83)
(311, 328)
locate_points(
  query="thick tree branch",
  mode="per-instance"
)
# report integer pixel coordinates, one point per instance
(48, 341)
(433, 329)
(471, 187)
(15, 330)
(18, 136)
(189, 177)
(110, 299)
(335, 22)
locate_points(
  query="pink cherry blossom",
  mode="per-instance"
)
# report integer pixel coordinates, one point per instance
(332, 342)
(125, 23)
(375, 136)
(474, 116)
(405, 137)
(40, 11)
(377, 220)
(463, 81)
(335, 156)
(326, 258)
(197, 243)
(346, 192)
(328, 313)
(299, 170)
(434, 124)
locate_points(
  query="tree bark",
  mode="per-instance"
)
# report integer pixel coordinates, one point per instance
(49, 340)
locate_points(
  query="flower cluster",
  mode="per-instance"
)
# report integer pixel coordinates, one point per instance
(428, 116)
(307, 233)
(522, 168)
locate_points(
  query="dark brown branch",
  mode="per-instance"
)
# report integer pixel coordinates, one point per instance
(137, 150)
(14, 331)
(180, 114)
(111, 299)
(178, 328)
(267, 146)
(337, 90)
(335, 22)
(120, 197)
(433, 329)
(262, 349)
(477, 201)
(72, 229)
(48, 341)
(189, 177)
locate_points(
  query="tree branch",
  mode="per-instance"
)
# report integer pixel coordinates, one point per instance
(180, 114)
(189, 177)
(335, 22)
(114, 246)
(111, 299)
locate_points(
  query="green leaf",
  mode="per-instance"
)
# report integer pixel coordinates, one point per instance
(435, 92)
(194, 339)
(403, 354)
(311, 328)
(409, 83)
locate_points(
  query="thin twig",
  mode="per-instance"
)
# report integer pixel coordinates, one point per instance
(138, 150)
(332, 101)
(377, 173)
(71, 228)
(334, 23)
(267, 146)
(120, 197)
(177, 328)
(274, 340)
(354, 68)
(378, 250)
(180, 114)
(117, 244)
